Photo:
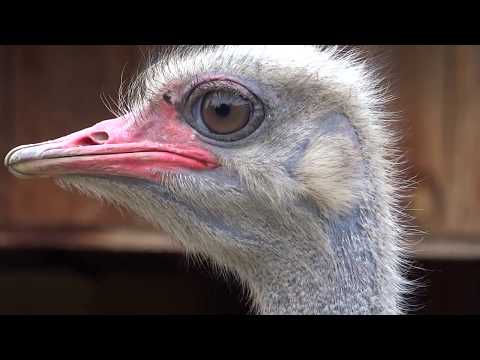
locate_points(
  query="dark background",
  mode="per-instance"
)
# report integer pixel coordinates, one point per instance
(63, 253)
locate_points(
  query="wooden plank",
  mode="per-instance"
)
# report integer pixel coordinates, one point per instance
(462, 141)
(128, 239)
(458, 248)
(438, 96)
(75, 239)
(6, 129)
(421, 90)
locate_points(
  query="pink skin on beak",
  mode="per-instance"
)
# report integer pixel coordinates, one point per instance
(141, 147)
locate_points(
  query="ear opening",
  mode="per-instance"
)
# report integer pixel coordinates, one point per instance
(333, 173)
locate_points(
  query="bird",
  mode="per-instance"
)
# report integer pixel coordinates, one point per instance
(277, 163)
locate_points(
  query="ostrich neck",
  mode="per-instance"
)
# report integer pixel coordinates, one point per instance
(348, 276)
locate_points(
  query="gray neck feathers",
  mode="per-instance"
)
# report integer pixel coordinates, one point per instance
(354, 273)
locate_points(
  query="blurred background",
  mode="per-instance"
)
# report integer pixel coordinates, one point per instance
(62, 253)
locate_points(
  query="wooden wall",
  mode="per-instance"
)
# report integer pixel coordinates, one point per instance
(439, 90)
(48, 91)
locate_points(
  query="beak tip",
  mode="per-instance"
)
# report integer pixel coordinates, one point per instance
(13, 160)
(8, 162)
(8, 157)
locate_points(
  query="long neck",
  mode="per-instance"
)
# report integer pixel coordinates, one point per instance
(354, 273)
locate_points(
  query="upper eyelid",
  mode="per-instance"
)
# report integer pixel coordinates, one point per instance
(222, 96)
(212, 86)
(199, 80)
(198, 91)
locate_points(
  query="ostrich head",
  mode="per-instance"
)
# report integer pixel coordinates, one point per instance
(272, 161)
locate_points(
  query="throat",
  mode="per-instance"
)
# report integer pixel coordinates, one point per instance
(319, 288)
(349, 271)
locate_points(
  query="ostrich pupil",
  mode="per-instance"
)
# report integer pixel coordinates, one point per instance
(223, 117)
(223, 110)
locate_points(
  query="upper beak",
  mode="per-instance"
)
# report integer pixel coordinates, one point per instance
(113, 147)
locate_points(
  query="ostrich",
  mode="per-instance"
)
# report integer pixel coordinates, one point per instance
(275, 162)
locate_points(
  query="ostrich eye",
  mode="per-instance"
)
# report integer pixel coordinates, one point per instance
(223, 113)
(223, 110)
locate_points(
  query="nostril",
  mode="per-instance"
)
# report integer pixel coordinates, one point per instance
(96, 138)
(99, 137)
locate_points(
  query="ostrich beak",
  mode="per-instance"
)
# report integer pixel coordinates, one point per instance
(124, 146)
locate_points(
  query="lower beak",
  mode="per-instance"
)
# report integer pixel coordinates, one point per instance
(100, 151)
